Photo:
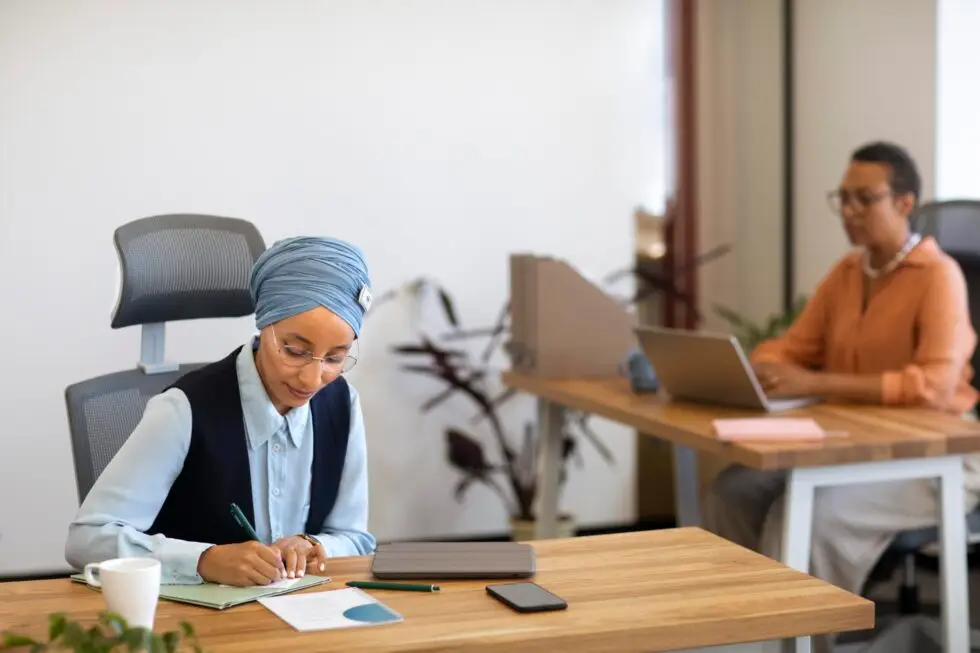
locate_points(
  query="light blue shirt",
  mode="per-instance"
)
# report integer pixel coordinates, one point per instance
(127, 496)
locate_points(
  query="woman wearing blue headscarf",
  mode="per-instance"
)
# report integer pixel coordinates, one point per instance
(273, 429)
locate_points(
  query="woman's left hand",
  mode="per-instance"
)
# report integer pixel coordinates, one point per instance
(299, 554)
(781, 380)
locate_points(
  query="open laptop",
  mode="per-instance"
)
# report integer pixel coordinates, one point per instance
(453, 560)
(708, 368)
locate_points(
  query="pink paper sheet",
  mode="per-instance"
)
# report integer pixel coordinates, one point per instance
(768, 428)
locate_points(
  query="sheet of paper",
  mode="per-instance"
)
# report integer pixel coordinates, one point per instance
(344, 608)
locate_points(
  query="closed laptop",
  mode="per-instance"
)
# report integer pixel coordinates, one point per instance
(452, 560)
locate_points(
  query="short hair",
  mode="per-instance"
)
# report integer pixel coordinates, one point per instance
(904, 176)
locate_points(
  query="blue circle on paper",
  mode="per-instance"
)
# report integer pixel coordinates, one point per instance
(369, 612)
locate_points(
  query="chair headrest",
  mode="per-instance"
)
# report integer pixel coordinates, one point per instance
(184, 267)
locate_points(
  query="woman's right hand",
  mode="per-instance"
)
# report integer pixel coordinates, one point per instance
(784, 380)
(242, 565)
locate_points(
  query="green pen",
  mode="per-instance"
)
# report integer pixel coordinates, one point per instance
(242, 520)
(239, 516)
(405, 587)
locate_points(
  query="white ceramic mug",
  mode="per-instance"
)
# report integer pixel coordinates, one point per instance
(130, 586)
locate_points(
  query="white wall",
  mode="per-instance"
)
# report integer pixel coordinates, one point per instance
(402, 126)
(958, 101)
(863, 71)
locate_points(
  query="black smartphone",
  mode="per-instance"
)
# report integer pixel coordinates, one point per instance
(526, 597)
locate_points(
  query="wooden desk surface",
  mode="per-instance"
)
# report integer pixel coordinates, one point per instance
(654, 590)
(873, 432)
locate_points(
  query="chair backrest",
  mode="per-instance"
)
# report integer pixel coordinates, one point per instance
(102, 413)
(173, 267)
(955, 224)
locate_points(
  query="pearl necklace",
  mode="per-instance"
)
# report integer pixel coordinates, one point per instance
(871, 273)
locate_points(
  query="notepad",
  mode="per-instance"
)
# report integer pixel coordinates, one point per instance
(285, 583)
(219, 597)
(799, 429)
(344, 608)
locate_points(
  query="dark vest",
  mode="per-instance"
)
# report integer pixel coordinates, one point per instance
(216, 471)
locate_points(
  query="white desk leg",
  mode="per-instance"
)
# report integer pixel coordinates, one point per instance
(687, 487)
(798, 521)
(798, 531)
(551, 417)
(798, 527)
(952, 558)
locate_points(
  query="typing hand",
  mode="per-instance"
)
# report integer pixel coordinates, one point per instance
(299, 554)
(782, 380)
(242, 565)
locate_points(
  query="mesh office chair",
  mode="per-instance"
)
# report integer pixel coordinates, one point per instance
(173, 267)
(955, 225)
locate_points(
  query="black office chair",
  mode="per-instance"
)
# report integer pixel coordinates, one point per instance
(173, 267)
(955, 225)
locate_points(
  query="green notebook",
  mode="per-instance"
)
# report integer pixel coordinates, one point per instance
(220, 597)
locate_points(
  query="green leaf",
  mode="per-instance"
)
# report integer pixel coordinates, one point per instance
(448, 308)
(466, 453)
(137, 639)
(171, 641)
(730, 316)
(11, 640)
(567, 447)
(114, 621)
(56, 626)
(799, 305)
(74, 636)
(159, 645)
(463, 485)
(110, 632)
(96, 640)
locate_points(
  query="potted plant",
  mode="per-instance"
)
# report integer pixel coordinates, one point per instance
(109, 633)
(511, 471)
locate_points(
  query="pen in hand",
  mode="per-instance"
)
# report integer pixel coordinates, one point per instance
(239, 516)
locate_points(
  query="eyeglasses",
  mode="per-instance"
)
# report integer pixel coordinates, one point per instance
(298, 357)
(860, 201)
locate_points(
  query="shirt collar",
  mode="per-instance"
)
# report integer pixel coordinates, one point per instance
(262, 420)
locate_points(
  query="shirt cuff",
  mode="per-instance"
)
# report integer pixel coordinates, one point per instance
(337, 546)
(179, 560)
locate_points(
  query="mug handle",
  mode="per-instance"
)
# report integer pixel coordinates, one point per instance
(91, 574)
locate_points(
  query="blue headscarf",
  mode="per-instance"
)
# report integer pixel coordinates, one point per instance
(301, 273)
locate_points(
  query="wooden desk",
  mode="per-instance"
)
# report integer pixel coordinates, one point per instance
(681, 589)
(881, 444)
(873, 432)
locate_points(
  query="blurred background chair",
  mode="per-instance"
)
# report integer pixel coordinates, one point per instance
(172, 267)
(955, 225)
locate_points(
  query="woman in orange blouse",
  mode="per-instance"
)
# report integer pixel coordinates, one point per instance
(889, 325)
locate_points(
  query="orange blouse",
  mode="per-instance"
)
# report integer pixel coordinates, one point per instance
(915, 332)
